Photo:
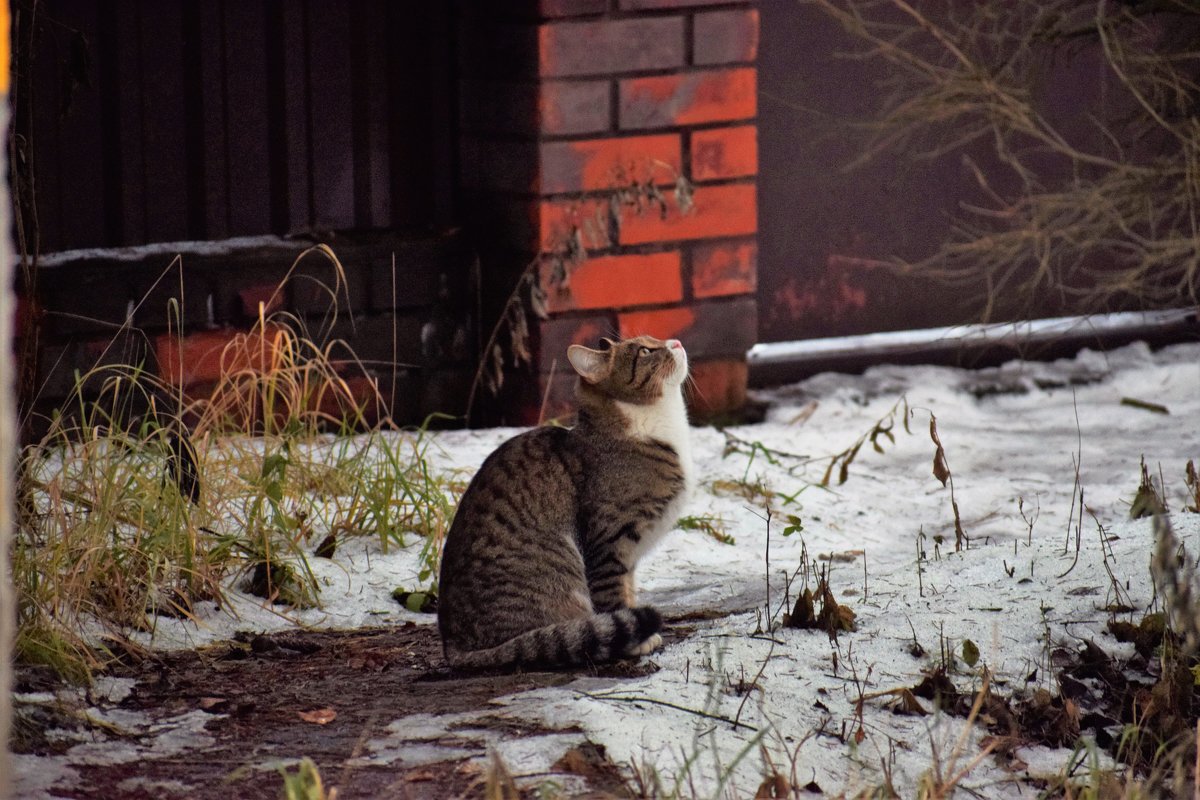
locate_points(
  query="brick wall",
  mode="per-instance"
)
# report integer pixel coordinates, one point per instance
(565, 99)
(405, 311)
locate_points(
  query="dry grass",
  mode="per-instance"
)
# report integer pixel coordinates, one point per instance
(1095, 217)
(142, 500)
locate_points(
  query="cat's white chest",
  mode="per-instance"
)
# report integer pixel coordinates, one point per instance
(666, 422)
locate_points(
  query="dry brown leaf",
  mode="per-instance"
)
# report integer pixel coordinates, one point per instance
(941, 470)
(420, 775)
(320, 716)
(773, 787)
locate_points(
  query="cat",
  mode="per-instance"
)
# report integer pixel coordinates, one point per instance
(538, 566)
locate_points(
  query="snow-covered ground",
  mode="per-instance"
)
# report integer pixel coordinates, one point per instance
(1014, 438)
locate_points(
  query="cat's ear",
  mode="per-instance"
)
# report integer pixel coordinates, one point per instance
(592, 365)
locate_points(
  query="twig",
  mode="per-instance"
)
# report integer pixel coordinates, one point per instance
(754, 683)
(639, 699)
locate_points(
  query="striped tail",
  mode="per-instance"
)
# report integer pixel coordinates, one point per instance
(593, 639)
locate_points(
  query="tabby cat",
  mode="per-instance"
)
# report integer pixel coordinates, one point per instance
(538, 565)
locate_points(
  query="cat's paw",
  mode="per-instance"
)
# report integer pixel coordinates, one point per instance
(646, 647)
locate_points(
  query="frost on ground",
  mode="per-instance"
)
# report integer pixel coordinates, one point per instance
(736, 696)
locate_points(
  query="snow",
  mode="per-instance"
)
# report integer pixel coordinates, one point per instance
(1014, 438)
(216, 247)
(1022, 333)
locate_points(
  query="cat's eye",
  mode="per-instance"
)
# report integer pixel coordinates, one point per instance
(645, 351)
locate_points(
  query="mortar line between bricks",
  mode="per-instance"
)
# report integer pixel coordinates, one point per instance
(731, 123)
(689, 39)
(628, 133)
(616, 13)
(662, 72)
(614, 106)
(602, 194)
(685, 272)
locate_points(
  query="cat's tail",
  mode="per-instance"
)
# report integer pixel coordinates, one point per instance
(593, 639)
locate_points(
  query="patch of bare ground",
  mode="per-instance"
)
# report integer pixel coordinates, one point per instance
(321, 695)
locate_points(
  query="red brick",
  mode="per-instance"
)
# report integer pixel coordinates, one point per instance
(560, 333)
(714, 329)
(667, 323)
(618, 282)
(717, 211)
(597, 164)
(725, 153)
(574, 107)
(207, 355)
(724, 269)
(610, 45)
(645, 5)
(557, 219)
(689, 98)
(725, 37)
(717, 387)
(571, 8)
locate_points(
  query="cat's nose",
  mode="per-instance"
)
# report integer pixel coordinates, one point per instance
(674, 344)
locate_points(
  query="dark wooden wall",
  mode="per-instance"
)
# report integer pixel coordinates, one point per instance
(169, 120)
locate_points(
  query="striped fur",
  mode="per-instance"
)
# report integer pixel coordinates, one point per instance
(538, 566)
(593, 639)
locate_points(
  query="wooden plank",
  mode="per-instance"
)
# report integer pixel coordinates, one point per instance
(129, 81)
(277, 156)
(421, 111)
(163, 150)
(213, 133)
(193, 119)
(77, 108)
(360, 23)
(330, 112)
(246, 118)
(379, 41)
(41, 123)
(108, 42)
(297, 128)
(409, 169)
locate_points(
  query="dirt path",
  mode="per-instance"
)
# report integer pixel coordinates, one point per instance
(253, 694)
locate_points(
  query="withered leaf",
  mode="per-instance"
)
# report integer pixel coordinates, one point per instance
(213, 704)
(327, 548)
(776, 786)
(941, 470)
(844, 473)
(497, 369)
(537, 301)
(803, 613)
(320, 716)
(970, 652)
(829, 472)
(907, 704)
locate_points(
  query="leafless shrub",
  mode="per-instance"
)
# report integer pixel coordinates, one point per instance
(1096, 217)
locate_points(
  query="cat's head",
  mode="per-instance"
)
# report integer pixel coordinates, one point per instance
(638, 370)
